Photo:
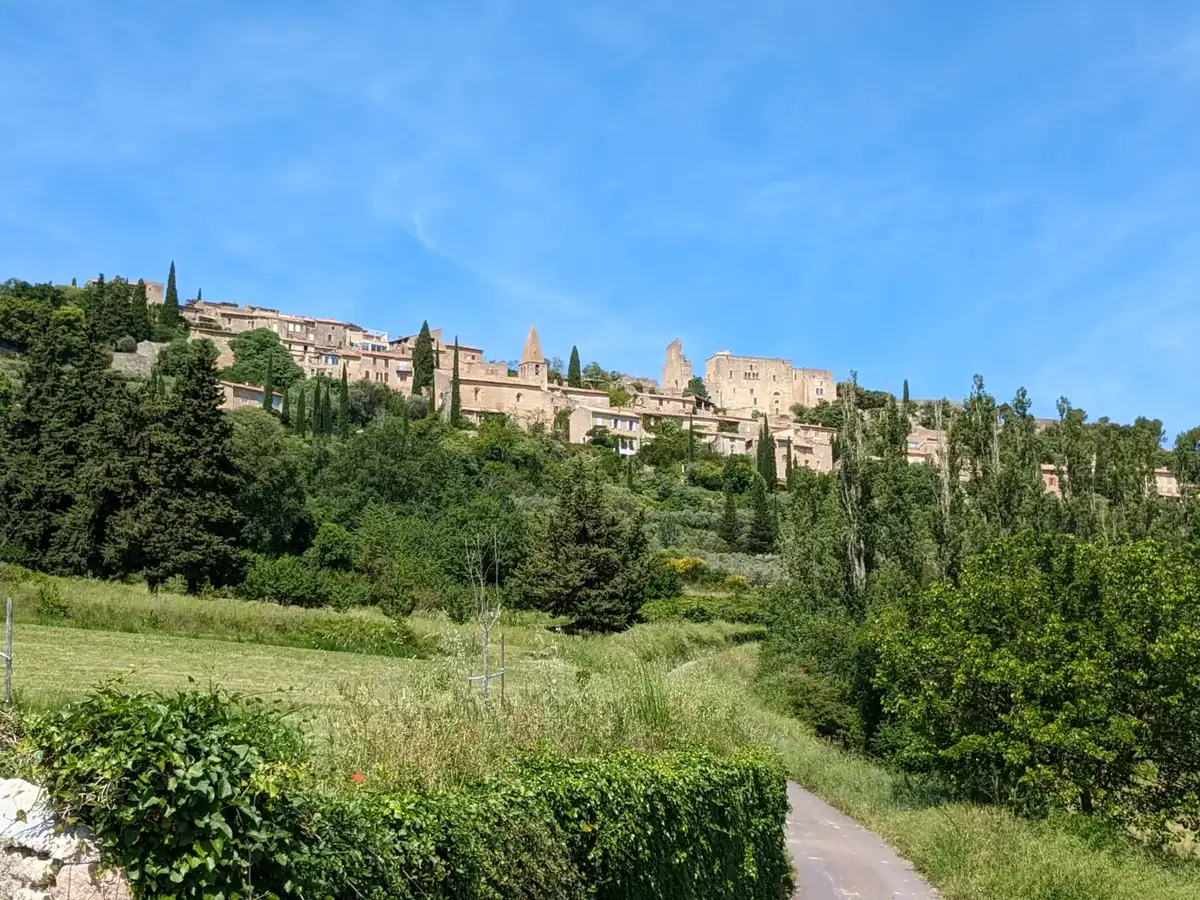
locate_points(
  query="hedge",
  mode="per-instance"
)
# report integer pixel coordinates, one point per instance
(201, 795)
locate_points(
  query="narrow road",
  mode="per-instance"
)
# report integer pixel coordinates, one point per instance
(838, 859)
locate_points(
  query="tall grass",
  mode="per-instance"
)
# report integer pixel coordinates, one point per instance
(111, 606)
(433, 728)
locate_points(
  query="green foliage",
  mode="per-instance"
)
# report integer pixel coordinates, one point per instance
(731, 525)
(455, 392)
(619, 396)
(423, 362)
(258, 355)
(667, 448)
(739, 474)
(696, 388)
(126, 345)
(707, 473)
(270, 465)
(591, 562)
(759, 536)
(198, 796)
(765, 456)
(183, 791)
(168, 313)
(824, 413)
(1057, 674)
(574, 375)
(744, 608)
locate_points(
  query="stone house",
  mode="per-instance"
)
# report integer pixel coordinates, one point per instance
(238, 396)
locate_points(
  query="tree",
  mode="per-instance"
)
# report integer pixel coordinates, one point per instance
(760, 533)
(343, 410)
(1043, 679)
(455, 394)
(300, 423)
(139, 314)
(270, 465)
(765, 456)
(268, 386)
(285, 410)
(731, 526)
(423, 361)
(186, 522)
(574, 375)
(905, 396)
(696, 388)
(168, 313)
(592, 562)
(254, 352)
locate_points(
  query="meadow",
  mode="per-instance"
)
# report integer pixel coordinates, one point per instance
(660, 686)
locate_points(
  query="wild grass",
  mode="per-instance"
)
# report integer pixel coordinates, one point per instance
(112, 606)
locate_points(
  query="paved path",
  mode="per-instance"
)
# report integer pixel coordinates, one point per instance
(838, 859)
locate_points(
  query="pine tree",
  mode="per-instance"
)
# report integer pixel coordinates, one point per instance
(731, 528)
(343, 410)
(574, 373)
(760, 534)
(168, 313)
(268, 401)
(423, 361)
(455, 392)
(285, 411)
(300, 425)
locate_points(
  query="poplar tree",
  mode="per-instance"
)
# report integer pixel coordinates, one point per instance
(574, 374)
(455, 392)
(343, 411)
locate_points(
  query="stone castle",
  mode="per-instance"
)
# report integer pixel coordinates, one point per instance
(743, 391)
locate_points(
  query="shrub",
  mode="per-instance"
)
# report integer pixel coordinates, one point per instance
(199, 796)
(288, 580)
(707, 474)
(744, 609)
(126, 344)
(1056, 674)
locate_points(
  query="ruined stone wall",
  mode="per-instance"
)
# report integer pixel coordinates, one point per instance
(677, 370)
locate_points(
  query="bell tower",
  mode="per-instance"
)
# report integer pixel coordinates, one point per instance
(533, 364)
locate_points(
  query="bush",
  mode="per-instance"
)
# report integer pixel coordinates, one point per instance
(746, 609)
(288, 580)
(127, 344)
(1056, 674)
(201, 795)
(707, 474)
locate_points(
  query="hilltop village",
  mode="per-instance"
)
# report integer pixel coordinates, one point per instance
(725, 407)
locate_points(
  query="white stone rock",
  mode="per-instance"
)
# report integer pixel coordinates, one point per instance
(27, 821)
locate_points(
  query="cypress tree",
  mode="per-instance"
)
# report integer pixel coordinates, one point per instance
(300, 425)
(629, 473)
(787, 476)
(168, 314)
(268, 401)
(765, 456)
(760, 534)
(906, 392)
(285, 411)
(74, 283)
(139, 314)
(327, 411)
(423, 361)
(731, 529)
(343, 411)
(691, 440)
(574, 373)
(455, 395)
(199, 294)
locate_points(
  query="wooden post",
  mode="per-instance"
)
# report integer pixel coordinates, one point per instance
(8, 655)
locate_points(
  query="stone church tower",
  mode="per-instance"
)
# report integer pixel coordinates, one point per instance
(533, 364)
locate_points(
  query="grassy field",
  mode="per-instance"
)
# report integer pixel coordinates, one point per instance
(405, 720)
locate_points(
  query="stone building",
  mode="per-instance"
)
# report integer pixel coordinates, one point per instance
(745, 385)
(676, 370)
(238, 396)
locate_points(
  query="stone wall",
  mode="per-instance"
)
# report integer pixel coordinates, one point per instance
(677, 370)
(41, 860)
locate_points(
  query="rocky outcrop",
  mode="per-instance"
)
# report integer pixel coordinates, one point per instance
(42, 860)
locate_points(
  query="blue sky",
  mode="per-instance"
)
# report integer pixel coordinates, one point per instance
(919, 190)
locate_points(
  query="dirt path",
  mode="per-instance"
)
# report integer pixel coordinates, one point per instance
(838, 859)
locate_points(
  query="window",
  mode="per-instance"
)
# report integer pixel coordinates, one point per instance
(385, 377)
(476, 395)
(820, 392)
(330, 359)
(518, 396)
